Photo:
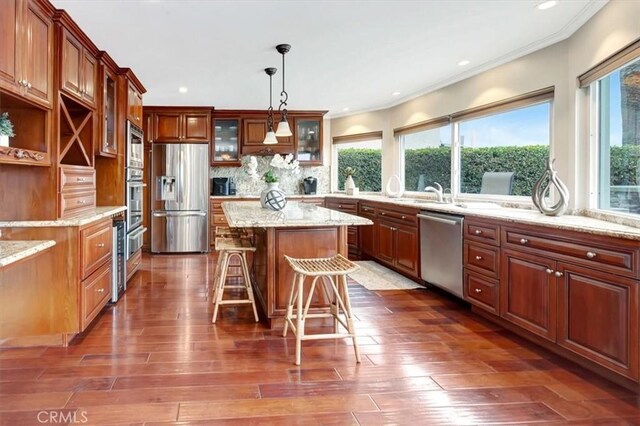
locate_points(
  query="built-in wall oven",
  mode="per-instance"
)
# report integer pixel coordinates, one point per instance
(135, 187)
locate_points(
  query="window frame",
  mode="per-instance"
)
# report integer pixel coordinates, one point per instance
(545, 95)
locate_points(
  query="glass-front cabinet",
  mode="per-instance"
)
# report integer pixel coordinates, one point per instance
(309, 140)
(225, 149)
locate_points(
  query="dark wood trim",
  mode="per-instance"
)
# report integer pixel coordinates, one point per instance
(610, 64)
(133, 79)
(356, 137)
(108, 61)
(432, 123)
(178, 109)
(514, 102)
(62, 17)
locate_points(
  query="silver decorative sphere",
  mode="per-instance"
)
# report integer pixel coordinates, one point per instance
(275, 200)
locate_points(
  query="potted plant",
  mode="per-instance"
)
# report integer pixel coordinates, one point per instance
(349, 184)
(272, 197)
(6, 129)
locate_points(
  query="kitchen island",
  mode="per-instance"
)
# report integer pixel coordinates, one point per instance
(299, 230)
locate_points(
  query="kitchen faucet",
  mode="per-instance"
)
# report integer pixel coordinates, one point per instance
(437, 191)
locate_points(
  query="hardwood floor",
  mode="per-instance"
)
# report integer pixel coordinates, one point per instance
(155, 358)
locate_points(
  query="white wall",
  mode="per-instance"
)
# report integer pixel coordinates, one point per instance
(613, 27)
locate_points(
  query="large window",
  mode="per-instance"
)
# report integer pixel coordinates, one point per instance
(427, 158)
(504, 153)
(618, 151)
(365, 157)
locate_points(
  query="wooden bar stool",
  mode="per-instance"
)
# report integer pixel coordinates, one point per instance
(228, 248)
(332, 272)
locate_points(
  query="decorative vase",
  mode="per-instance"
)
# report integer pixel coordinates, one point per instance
(394, 188)
(539, 189)
(349, 184)
(4, 140)
(272, 197)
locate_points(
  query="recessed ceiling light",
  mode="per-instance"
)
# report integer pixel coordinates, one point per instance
(547, 4)
(345, 109)
(395, 94)
(183, 89)
(463, 63)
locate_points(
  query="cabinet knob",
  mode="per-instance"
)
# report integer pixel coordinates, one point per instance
(477, 232)
(404, 217)
(559, 274)
(100, 290)
(591, 254)
(80, 179)
(339, 206)
(478, 257)
(100, 245)
(523, 241)
(549, 271)
(28, 85)
(478, 290)
(382, 213)
(23, 82)
(82, 201)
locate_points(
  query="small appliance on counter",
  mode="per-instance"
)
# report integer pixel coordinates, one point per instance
(223, 186)
(310, 185)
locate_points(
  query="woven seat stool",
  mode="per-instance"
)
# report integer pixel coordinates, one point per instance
(332, 273)
(228, 248)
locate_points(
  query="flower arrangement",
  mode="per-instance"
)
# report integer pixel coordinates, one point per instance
(270, 177)
(277, 164)
(6, 127)
(349, 171)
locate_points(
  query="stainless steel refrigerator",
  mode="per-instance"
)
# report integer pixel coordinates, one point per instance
(179, 198)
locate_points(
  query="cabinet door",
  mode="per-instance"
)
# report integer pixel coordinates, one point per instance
(70, 79)
(10, 57)
(167, 127)
(368, 239)
(386, 252)
(138, 110)
(107, 132)
(225, 148)
(528, 292)
(147, 128)
(89, 77)
(598, 317)
(197, 127)
(254, 131)
(38, 69)
(406, 258)
(308, 135)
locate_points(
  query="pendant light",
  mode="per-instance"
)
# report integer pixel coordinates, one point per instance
(283, 126)
(270, 138)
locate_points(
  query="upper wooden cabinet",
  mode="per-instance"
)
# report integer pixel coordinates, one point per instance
(308, 140)
(225, 144)
(26, 49)
(180, 124)
(109, 105)
(134, 108)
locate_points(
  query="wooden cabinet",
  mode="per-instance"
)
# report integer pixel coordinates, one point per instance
(225, 146)
(398, 246)
(308, 140)
(254, 130)
(78, 69)
(482, 291)
(353, 232)
(386, 242)
(108, 106)
(528, 293)
(96, 292)
(26, 50)
(76, 191)
(134, 106)
(96, 246)
(178, 125)
(368, 237)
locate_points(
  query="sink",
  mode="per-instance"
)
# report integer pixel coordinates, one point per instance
(415, 201)
(479, 205)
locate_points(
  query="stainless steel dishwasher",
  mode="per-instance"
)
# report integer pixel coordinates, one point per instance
(441, 250)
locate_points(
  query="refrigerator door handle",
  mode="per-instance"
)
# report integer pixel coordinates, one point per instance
(178, 213)
(181, 182)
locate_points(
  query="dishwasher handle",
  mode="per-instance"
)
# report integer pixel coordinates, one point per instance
(438, 219)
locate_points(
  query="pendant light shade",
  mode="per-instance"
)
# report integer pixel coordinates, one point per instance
(270, 137)
(283, 127)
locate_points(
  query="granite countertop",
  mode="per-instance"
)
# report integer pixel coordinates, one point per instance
(89, 217)
(257, 197)
(12, 251)
(249, 214)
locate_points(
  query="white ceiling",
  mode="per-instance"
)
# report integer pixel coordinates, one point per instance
(345, 54)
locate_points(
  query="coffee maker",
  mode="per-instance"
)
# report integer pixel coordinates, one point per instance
(310, 185)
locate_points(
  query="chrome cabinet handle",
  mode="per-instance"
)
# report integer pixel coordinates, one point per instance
(80, 179)
(591, 254)
(100, 245)
(478, 257)
(559, 274)
(549, 271)
(478, 290)
(523, 241)
(82, 201)
(477, 232)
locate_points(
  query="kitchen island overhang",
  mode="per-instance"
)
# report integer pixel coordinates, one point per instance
(299, 230)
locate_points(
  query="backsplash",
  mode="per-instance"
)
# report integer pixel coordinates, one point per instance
(289, 183)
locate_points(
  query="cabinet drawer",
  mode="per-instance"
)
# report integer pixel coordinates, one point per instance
(76, 203)
(77, 178)
(219, 220)
(96, 245)
(408, 217)
(133, 264)
(343, 206)
(481, 291)
(314, 201)
(482, 231)
(619, 259)
(368, 210)
(96, 292)
(482, 258)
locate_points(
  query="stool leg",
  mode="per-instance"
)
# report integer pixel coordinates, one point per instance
(289, 314)
(347, 308)
(216, 276)
(299, 320)
(247, 284)
(221, 282)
